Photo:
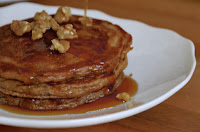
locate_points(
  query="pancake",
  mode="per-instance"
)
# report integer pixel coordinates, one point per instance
(97, 50)
(34, 77)
(64, 103)
(67, 89)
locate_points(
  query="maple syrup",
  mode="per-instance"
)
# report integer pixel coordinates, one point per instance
(85, 13)
(85, 10)
(128, 85)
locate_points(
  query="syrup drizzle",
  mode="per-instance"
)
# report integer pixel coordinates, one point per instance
(85, 10)
(85, 13)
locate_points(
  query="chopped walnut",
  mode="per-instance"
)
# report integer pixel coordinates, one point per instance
(63, 14)
(54, 25)
(38, 28)
(42, 22)
(20, 27)
(61, 45)
(123, 96)
(36, 34)
(67, 32)
(42, 16)
(86, 21)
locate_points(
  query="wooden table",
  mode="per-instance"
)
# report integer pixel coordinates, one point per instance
(181, 112)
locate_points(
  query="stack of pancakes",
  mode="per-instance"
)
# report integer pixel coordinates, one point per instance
(34, 77)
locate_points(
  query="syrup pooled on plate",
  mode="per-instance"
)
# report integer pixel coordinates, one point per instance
(128, 85)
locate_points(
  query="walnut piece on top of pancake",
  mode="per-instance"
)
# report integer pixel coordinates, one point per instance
(39, 27)
(54, 25)
(20, 27)
(61, 45)
(86, 21)
(67, 32)
(63, 14)
(43, 21)
(42, 16)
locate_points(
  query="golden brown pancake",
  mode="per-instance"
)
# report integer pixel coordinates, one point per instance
(66, 89)
(34, 77)
(63, 103)
(98, 49)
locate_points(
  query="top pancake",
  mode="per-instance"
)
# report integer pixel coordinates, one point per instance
(98, 49)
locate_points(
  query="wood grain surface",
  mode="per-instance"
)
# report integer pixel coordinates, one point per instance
(181, 112)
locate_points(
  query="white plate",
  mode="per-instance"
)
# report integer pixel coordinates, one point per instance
(162, 62)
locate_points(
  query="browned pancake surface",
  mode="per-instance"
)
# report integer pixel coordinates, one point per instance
(98, 49)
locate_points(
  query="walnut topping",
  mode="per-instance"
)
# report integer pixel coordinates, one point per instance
(36, 34)
(42, 16)
(63, 14)
(20, 27)
(40, 25)
(123, 96)
(86, 21)
(42, 22)
(54, 25)
(38, 28)
(67, 32)
(61, 45)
